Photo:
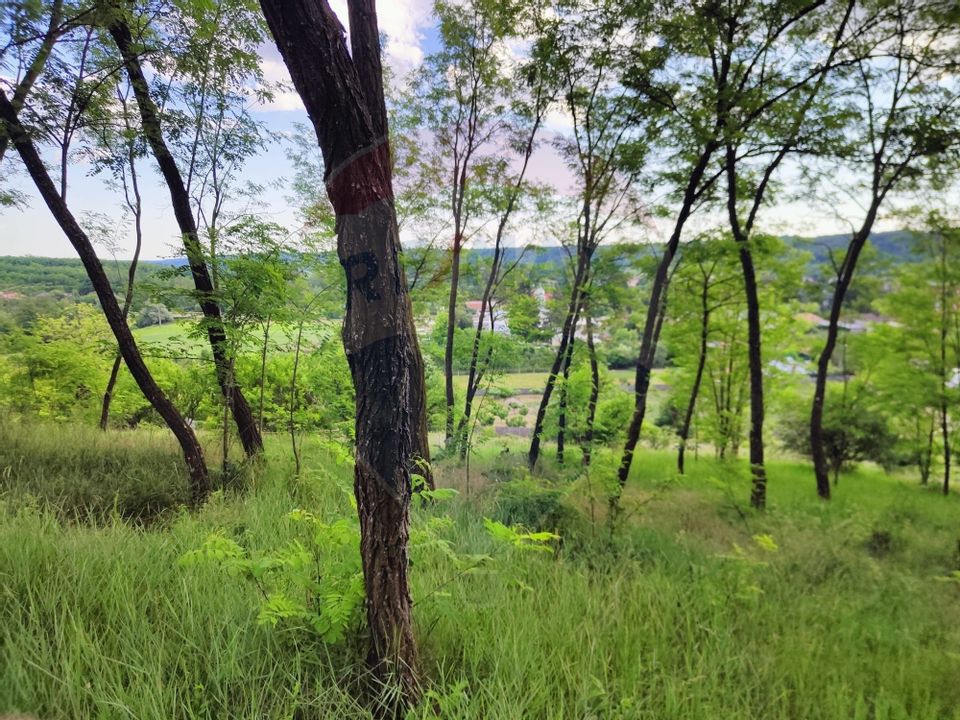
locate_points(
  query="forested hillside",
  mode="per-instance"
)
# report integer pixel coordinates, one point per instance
(515, 359)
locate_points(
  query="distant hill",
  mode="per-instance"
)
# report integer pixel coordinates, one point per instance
(66, 275)
(894, 244)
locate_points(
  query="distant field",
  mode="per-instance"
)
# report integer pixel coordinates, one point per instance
(536, 381)
(178, 333)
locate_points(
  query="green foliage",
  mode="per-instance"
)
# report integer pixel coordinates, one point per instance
(314, 583)
(62, 366)
(523, 319)
(853, 430)
(153, 314)
(528, 503)
(516, 538)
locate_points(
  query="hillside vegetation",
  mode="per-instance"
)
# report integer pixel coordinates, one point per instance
(693, 607)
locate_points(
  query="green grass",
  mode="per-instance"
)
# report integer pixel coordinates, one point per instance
(535, 381)
(666, 619)
(179, 333)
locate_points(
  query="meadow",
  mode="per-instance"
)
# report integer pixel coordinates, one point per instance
(690, 606)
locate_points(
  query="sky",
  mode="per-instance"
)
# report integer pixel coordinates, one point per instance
(410, 30)
(411, 34)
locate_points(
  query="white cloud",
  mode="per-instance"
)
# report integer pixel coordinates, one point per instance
(402, 21)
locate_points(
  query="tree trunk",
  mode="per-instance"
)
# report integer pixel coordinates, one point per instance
(594, 384)
(448, 435)
(263, 371)
(108, 392)
(477, 370)
(925, 454)
(566, 336)
(758, 495)
(641, 391)
(698, 376)
(844, 278)
(365, 47)
(654, 321)
(192, 451)
(378, 333)
(242, 413)
(136, 205)
(562, 405)
(944, 405)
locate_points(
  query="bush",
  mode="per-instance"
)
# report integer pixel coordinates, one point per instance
(527, 503)
(850, 434)
(154, 314)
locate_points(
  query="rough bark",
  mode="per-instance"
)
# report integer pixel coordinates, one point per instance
(379, 336)
(365, 53)
(192, 451)
(240, 409)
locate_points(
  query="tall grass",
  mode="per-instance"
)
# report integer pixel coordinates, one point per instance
(695, 608)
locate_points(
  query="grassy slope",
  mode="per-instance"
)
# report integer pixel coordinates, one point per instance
(845, 620)
(179, 333)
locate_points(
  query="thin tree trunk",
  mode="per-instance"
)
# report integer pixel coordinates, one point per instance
(474, 377)
(758, 495)
(108, 392)
(476, 370)
(566, 336)
(379, 335)
(243, 416)
(293, 398)
(594, 384)
(263, 372)
(448, 346)
(192, 451)
(844, 278)
(137, 207)
(562, 405)
(654, 321)
(945, 302)
(698, 376)
(925, 456)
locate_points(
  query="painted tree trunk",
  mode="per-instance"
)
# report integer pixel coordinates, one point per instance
(342, 92)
